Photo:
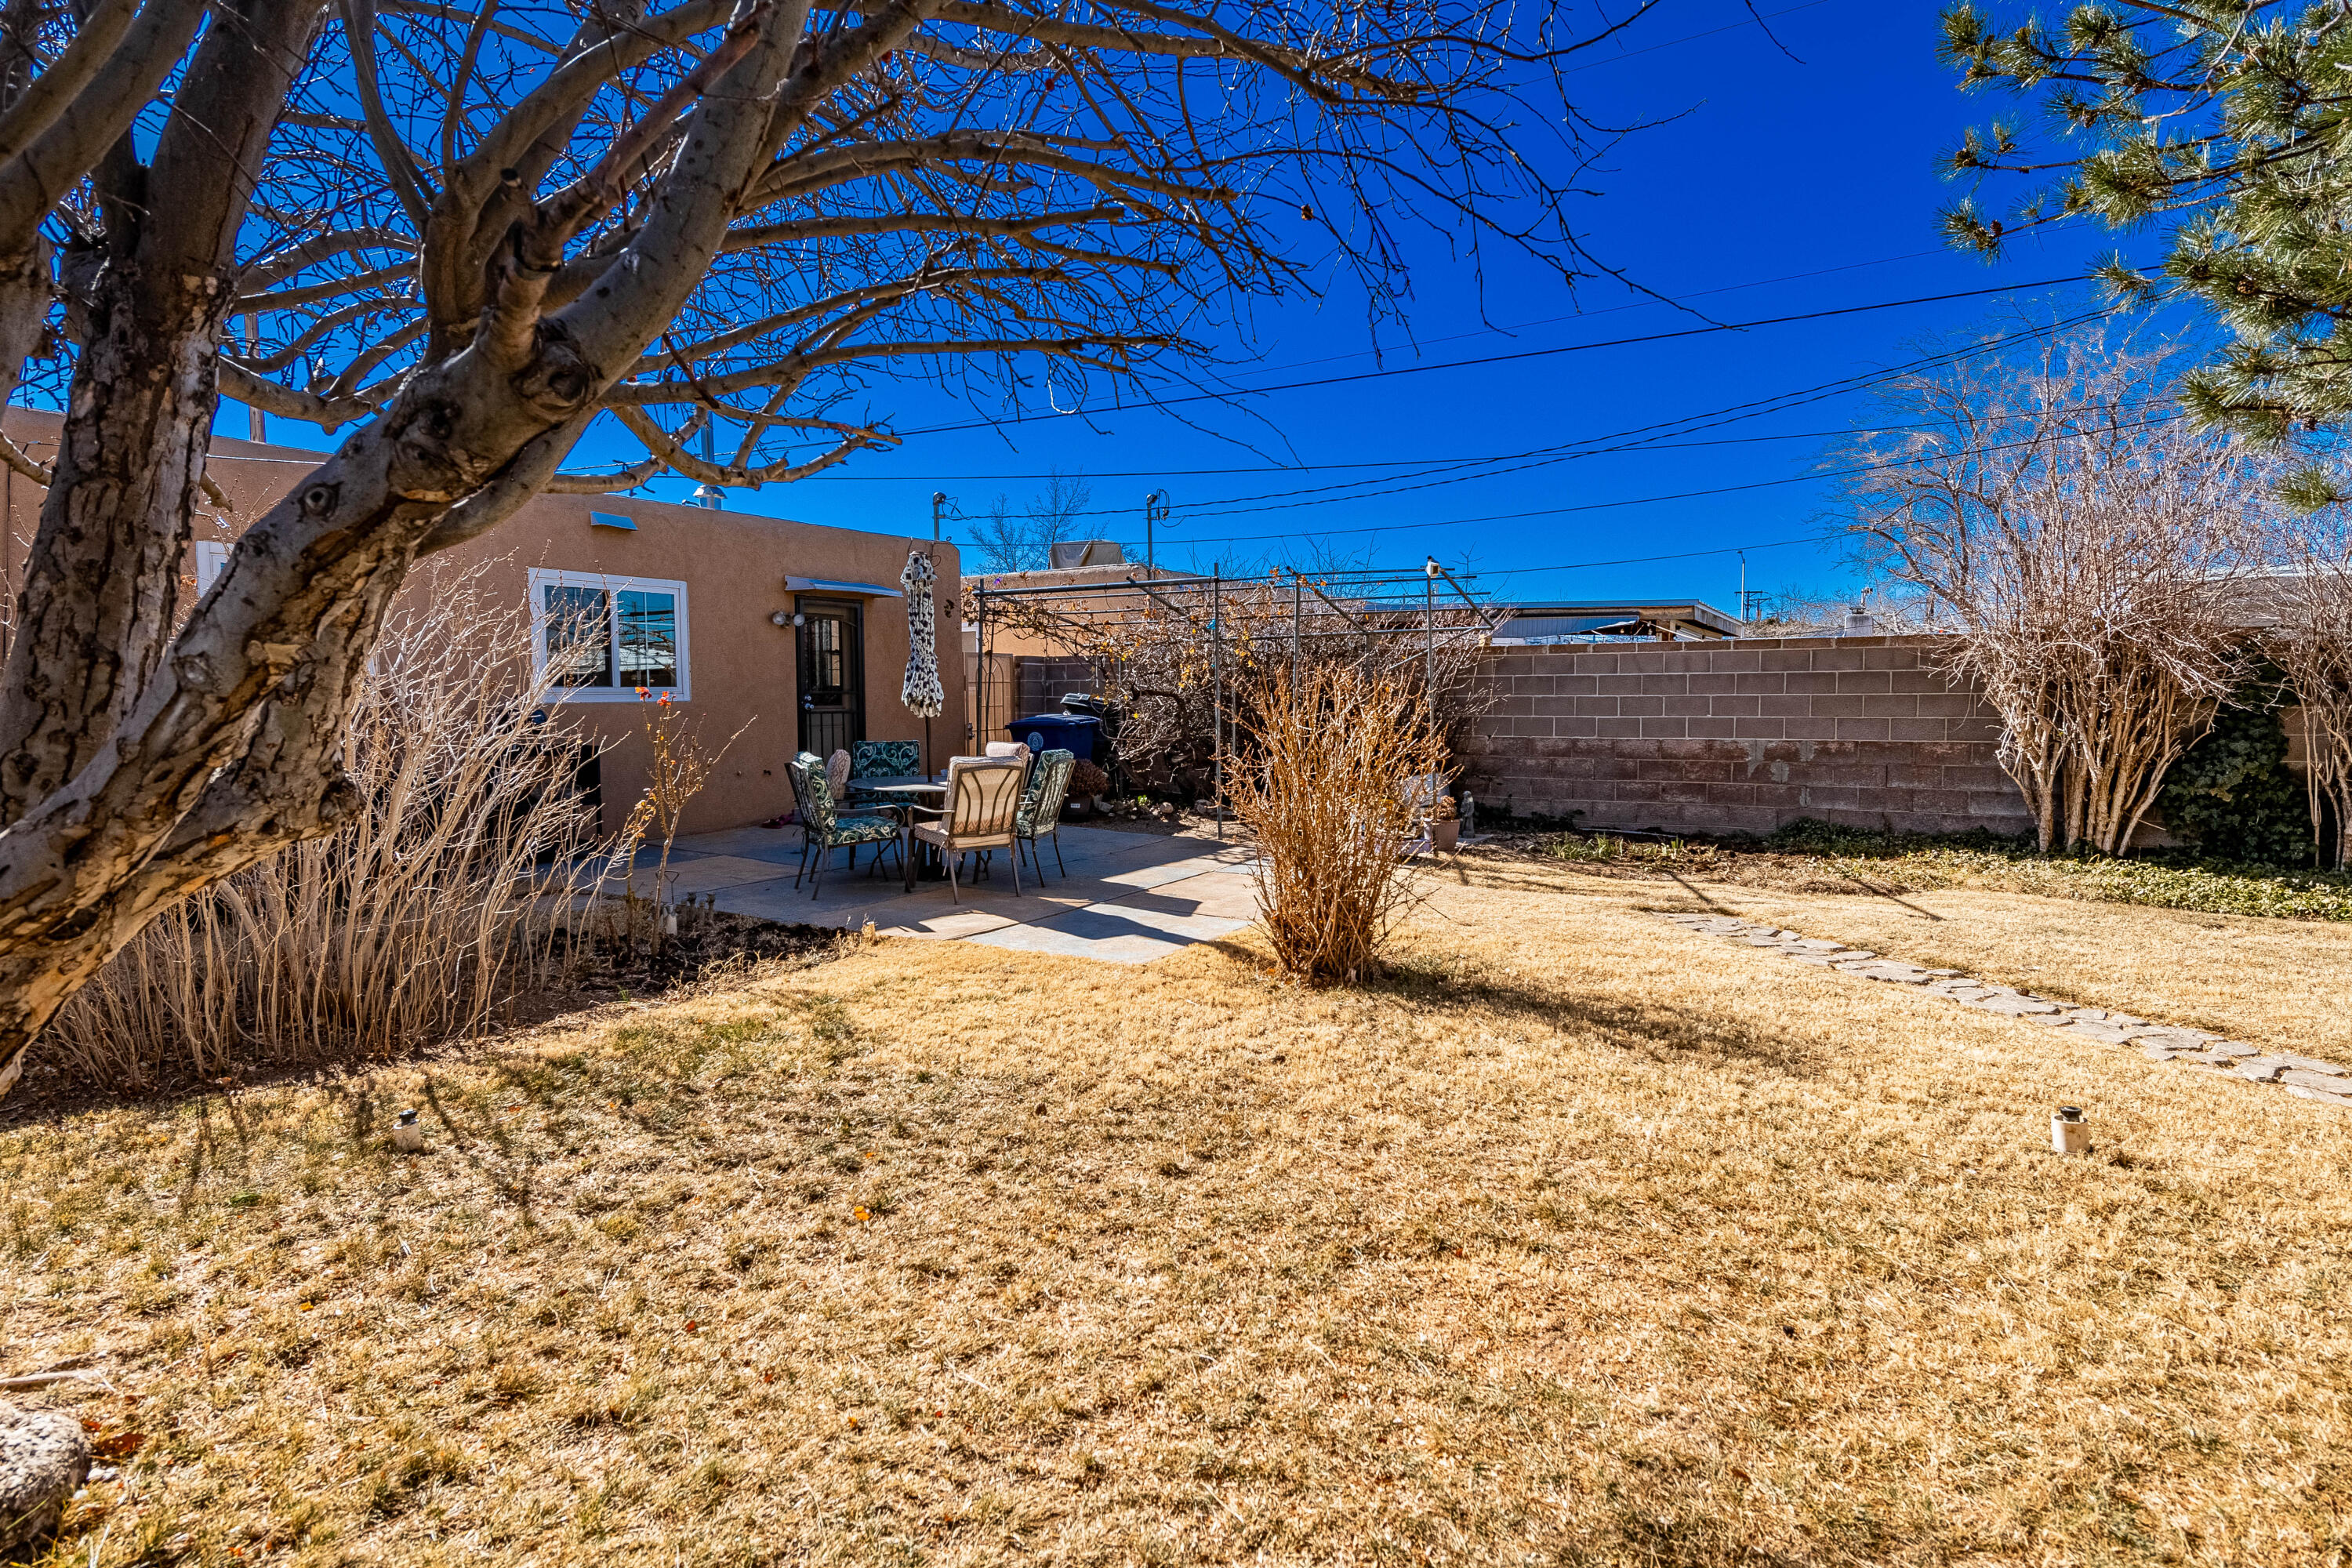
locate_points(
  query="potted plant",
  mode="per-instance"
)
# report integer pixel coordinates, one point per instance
(1444, 825)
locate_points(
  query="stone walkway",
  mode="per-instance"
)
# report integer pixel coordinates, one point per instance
(1123, 898)
(2304, 1075)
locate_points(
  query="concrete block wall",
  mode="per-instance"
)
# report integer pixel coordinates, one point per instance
(1040, 684)
(1718, 737)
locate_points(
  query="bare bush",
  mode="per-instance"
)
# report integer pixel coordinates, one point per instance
(453, 887)
(1186, 660)
(2079, 539)
(2312, 645)
(680, 764)
(1326, 785)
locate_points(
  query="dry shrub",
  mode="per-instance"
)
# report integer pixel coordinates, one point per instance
(2312, 643)
(1183, 662)
(455, 886)
(680, 765)
(1324, 783)
(2083, 552)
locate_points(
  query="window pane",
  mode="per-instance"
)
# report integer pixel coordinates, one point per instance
(648, 638)
(579, 636)
(827, 674)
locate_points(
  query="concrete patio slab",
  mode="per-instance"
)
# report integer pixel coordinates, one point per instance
(705, 874)
(1122, 898)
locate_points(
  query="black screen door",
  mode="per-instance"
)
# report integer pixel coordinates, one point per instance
(831, 677)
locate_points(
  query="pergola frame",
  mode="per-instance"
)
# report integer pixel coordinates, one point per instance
(1396, 610)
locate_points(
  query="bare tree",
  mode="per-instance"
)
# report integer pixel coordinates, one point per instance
(73, 81)
(472, 232)
(2312, 645)
(1023, 541)
(1184, 660)
(2077, 538)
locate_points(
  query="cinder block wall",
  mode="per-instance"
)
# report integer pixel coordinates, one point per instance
(1040, 684)
(1740, 736)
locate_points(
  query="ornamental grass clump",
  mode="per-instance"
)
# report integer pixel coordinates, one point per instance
(1325, 776)
(457, 883)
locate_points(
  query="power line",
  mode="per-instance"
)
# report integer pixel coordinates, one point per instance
(1653, 501)
(1638, 438)
(1518, 355)
(1678, 555)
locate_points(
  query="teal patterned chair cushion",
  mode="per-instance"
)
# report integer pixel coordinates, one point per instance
(821, 818)
(885, 758)
(881, 760)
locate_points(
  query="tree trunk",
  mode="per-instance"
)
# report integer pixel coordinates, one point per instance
(102, 582)
(104, 579)
(231, 746)
(25, 295)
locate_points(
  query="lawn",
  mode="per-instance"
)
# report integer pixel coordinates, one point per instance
(1578, 1239)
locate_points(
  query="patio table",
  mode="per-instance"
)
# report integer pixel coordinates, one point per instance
(910, 790)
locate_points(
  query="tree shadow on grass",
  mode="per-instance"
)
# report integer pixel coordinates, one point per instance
(1453, 985)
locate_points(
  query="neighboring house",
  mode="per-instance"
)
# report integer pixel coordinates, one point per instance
(796, 631)
(1540, 625)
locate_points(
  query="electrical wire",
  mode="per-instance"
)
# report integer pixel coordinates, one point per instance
(1638, 438)
(1518, 355)
(1653, 501)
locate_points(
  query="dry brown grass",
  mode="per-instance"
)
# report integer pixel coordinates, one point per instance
(1580, 1240)
(2285, 983)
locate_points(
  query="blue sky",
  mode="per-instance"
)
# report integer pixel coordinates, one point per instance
(1774, 170)
(1783, 186)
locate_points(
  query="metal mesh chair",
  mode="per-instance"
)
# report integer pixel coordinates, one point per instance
(1040, 815)
(984, 797)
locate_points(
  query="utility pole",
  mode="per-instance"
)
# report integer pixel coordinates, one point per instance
(1155, 510)
(939, 505)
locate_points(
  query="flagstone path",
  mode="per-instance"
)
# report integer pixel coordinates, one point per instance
(2307, 1077)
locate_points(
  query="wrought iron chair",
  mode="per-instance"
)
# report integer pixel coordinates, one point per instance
(825, 828)
(983, 795)
(1040, 815)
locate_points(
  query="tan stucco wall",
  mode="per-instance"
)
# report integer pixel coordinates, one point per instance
(740, 666)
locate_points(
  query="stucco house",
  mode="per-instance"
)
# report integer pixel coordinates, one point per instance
(798, 632)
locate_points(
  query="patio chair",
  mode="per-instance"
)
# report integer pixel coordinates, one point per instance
(825, 828)
(1040, 815)
(983, 795)
(881, 760)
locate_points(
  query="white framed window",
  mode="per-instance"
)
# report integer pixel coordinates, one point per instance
(608, 637)
(211, 556)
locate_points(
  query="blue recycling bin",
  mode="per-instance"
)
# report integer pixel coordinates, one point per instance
(1071, 732)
